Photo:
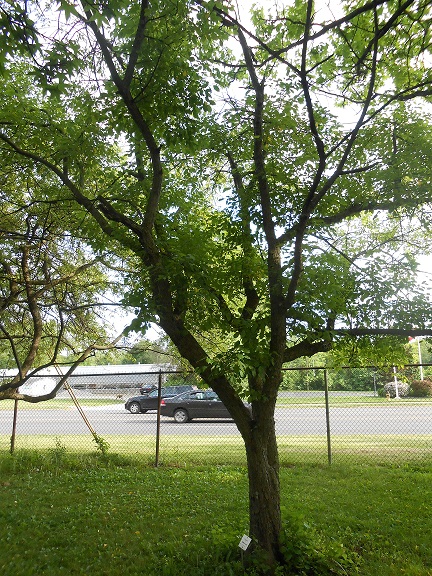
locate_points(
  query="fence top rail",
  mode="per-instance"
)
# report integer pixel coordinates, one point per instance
(285, 368)
(105, 374)
(4, 374)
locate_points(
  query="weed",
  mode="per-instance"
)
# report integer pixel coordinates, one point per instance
(307, 553)
(57, 455)
(101, 445)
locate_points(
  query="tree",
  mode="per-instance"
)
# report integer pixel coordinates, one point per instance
(141, 351)
(252, 175)
(51, 285)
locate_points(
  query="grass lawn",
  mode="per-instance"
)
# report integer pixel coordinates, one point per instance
(348, 400)
(56, 403)
(180, 451)
(283, 402)
(69, 510)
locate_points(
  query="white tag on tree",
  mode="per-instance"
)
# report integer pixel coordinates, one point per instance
(244, 542)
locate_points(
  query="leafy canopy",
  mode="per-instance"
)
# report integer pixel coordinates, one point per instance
(300, 141)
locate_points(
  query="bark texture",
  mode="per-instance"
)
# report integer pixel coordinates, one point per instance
(264, 490)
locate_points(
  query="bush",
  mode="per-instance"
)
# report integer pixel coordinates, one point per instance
(390, 388)
(307, 553)
(421, 388)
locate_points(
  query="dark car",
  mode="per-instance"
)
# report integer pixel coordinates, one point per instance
(141, 404)
(195, 404)
(147, 388)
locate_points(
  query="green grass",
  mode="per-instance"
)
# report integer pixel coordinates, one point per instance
(64, 509)
(283, 402)
(56, 403)
(228, 450)
(347, 400)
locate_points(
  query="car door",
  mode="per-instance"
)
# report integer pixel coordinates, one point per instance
(150, 402)
(215, 407)
(196, 404)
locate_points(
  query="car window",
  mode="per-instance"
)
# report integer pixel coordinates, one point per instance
(210, 395)
(154, 393)
(179, 389)
(199, 396)
(175, 390)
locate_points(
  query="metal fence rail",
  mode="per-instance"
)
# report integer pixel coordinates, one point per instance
(321, 415)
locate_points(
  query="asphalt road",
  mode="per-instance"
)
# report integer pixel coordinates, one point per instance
(392, 419)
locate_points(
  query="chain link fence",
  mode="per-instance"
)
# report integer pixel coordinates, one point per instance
(322, 415)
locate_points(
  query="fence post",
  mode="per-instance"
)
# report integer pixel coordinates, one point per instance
(158, 419)
(396, 383)
(326, 393)
(14, 423)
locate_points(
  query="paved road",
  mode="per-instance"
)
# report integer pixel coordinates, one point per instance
(391, 419)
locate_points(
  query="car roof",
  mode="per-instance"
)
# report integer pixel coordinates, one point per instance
(194, 391)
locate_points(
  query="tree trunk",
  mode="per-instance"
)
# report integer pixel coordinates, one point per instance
(258, 433)
(264, 489)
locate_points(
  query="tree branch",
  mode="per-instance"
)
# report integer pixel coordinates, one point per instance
(354, 209)
(383, 332)
(34, 312)
(137, 44)
(306, 348)
(123, 88)
(9, 390)
(380, 32)
(252, 297)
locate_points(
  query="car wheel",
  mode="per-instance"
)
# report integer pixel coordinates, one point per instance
(134, 408)
(181, 416)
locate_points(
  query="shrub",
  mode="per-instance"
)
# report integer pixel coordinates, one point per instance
(390, 388)
(307, 553)
(421, 388)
